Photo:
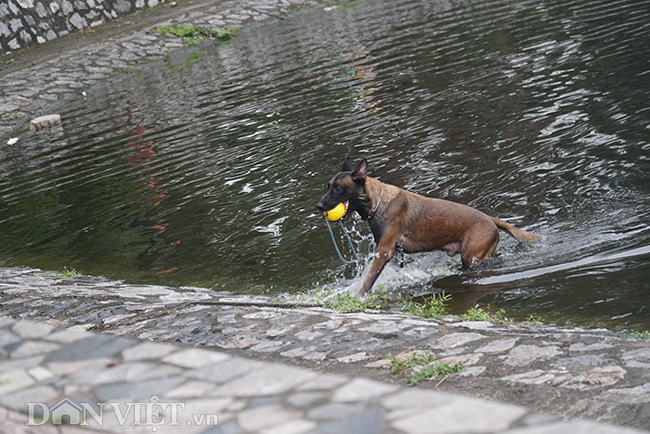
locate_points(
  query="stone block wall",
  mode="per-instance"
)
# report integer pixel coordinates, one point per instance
(26, 22)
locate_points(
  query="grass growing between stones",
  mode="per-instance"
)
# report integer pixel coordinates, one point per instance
(194, 35)
(477, 313)
(132, 69)
(421, 366)
(535, 322)
(226, 33)
(67, 273)
(182, 30)
(348, 303)
(437, 306)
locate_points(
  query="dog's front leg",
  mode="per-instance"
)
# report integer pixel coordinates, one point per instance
(385, 252)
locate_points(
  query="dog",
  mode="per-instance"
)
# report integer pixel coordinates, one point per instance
(407, 222)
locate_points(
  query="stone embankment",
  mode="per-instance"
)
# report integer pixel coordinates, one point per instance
(34, 80)
(262, 367)
(249, 355)
(27, 22)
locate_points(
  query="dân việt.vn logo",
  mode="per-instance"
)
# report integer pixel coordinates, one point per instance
(154, 413)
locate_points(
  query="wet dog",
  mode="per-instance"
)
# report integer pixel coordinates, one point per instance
(408, 222)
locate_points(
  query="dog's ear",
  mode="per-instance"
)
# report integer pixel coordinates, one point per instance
(359, 174)
(347, 166)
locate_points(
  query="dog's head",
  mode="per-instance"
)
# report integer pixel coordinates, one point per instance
(347, 187)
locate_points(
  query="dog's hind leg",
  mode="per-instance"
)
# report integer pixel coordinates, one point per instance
(478, 243)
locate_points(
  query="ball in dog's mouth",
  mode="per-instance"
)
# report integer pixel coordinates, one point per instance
(338, 212)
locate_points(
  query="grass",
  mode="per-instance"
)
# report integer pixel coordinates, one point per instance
(131, 69)
(477, 313)
(437, 306)
(342, 302)
(192, 41)
(348, 303)
(194, 35)
(433, 370)
(422, 366)
(182, 30)
(642, 335)
(417, 359)
(226, 33)
(535, 322)
(67, 273)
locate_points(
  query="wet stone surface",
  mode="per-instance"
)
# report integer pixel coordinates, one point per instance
(567, 373)
(244, 358)
(71, 73)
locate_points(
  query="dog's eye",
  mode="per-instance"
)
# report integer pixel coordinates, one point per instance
(337, 187)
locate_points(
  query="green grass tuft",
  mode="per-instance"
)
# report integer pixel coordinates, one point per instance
(417, 359)
(348, 303)
(535, 322)
(433, 370)
(479, 314)
(642, 335)
(226, 33)
(437, 306)
(67, 273)
(192, 41)
(194, 35)
(182, 30)
(131, 69)
(422, 366)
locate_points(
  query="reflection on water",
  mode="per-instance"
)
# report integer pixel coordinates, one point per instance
(205, 170)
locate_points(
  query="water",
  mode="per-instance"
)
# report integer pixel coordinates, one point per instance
(205, 169)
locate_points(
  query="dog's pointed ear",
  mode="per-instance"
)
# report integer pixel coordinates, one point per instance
(359, 174)
(347, 166)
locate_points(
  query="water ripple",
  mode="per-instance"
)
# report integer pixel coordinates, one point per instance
(205, 169)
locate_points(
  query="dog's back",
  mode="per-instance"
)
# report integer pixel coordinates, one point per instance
(414, 222)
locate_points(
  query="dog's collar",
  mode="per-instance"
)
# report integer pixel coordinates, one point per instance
(372, 213)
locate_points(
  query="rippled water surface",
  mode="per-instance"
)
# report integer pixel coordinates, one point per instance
(205, 169)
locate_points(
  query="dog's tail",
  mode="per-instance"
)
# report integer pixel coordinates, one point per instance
(517, 233)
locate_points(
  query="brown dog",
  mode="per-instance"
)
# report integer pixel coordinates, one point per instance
(413, 223)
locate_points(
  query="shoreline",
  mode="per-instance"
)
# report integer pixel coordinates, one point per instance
(520, 370)
(70, 66)
(567, 373)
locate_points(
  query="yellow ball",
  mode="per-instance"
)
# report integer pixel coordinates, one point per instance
(336, 213)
